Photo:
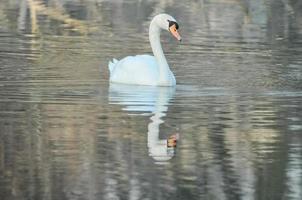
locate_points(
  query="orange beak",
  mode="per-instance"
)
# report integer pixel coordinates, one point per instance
(174, 32)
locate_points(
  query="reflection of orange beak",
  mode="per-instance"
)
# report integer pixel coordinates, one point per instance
(174, 32)
(172, 141)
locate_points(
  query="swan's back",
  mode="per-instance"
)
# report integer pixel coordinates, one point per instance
(140, 69)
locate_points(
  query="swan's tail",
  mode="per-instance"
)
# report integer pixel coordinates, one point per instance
(112, 64)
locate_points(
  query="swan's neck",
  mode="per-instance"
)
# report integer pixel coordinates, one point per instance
(154, 37)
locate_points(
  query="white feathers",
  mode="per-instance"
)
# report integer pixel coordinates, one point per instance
(145, 69)
(112, 64)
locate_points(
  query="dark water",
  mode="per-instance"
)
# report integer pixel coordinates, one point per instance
(65, 133)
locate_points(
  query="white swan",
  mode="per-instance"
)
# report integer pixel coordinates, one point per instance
(146, 69)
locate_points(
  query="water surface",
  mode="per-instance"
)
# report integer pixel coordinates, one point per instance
(66, 133)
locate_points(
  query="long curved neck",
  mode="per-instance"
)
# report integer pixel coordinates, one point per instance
(154, 37)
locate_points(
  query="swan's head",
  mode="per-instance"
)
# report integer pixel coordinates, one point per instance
(167, 22)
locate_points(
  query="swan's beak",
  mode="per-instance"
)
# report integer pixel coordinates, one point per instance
(174, 32)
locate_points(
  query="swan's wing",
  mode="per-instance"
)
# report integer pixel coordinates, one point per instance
(140, 69)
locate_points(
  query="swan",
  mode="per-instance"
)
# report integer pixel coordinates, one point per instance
(146, 69)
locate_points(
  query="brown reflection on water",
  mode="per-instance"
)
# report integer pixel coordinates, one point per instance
(37, 151)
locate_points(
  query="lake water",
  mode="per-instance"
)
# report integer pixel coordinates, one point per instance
(236, 112)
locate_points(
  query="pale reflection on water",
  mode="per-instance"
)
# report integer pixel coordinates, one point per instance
(144, 100)
(236, 113)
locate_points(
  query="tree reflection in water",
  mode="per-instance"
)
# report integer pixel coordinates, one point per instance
(237, 107)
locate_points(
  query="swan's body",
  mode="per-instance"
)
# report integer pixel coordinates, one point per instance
(146, 69)
(140, 69)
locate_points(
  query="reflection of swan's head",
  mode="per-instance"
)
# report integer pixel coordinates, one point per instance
(163, 150)
(162, 153)
(167, 22)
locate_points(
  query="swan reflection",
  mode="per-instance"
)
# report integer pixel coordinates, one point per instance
(148, 100)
